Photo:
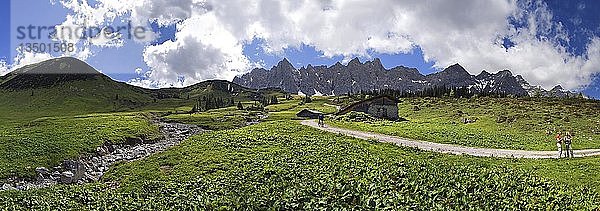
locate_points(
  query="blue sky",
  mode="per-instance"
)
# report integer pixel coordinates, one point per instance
(573, 26)
(4, 28)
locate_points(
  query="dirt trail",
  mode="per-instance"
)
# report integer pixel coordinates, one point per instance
(449, 148)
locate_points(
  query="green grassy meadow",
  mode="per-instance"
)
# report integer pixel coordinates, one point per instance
(283, 165)
(280, 164)
(217, 119)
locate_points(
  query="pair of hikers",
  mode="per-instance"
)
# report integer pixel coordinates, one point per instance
(321, 122)
(567, 140)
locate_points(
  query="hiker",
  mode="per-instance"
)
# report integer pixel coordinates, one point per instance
(321, 123)
(559, 144)
(568, 140)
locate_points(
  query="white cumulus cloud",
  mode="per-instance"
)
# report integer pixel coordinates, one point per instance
(3, 68)
(211, 34)
(203, 50)
(24, 58)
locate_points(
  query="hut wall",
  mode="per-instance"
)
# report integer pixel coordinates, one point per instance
(383, 111)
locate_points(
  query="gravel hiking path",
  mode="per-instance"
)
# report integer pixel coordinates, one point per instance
(449, 148)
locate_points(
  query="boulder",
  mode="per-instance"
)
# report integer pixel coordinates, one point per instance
(42, 170)
(101, 151)
(468, 120)
(67, 177)
(108, 148)
(75, 167)
(133, 141)
(55, 175)
(7, 187)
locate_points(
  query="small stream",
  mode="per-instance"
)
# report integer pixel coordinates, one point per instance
(91, 167)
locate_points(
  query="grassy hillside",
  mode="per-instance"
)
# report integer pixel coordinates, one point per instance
(283, 165)
(104, 95)
(506, 123)
(67, 86)
(78, 97)
(61, 108)
(226, 89)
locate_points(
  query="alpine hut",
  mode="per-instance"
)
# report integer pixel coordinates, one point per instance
(307, 113)
(384, 106)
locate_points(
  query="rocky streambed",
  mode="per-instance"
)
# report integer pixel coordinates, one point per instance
(91, 167)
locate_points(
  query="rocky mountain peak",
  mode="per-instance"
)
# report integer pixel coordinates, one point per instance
(50, 73)
(558, 91)
(505, 73)
(456, 69)
(285, 63)
(341, 79)
(484, 74)
(453, 76)
(557, 88)
(377, 60)
(376, 63)
(354, 62)
(338, 65)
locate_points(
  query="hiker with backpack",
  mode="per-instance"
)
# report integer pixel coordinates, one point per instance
(559, 144)
(321, 122)
(568, 148)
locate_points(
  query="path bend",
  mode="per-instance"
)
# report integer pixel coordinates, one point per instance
(449, 148)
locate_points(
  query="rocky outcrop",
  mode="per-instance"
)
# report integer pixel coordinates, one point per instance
(356, 76)
(501, 82)
(538, 91)
(453, 76)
